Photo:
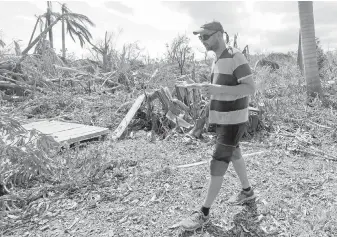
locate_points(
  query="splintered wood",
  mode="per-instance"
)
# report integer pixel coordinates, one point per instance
(127, 119)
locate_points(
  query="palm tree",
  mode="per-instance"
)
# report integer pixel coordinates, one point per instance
(76, 25)
(42, 34)
(308, 42)
(49, 21)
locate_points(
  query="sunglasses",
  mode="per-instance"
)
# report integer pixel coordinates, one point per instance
(206, 37)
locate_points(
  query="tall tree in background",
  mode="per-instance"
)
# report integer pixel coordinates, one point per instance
(308, 43)
(76, 25)
(105, 49)
(179, 51)
(49, 15)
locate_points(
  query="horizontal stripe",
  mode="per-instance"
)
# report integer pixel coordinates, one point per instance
(235, 117)
(242, 71)
(224, 66)
(245, 78)
(226, 97)
(227, 106)
(239, 59)
(224, 79)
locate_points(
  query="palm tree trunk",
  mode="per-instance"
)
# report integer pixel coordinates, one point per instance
(63, 38)
(31, 37)
(51, 40)
(307, 24)
(25, 51)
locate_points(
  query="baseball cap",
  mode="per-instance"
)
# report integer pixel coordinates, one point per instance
(214, 26)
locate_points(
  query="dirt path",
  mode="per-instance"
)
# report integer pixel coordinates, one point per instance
(147, 195)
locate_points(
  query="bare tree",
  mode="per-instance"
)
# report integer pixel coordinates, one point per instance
(235, 44)
(171, 52)
(106, 50)
(147, 59)
(179, 51)
(246, 52)
(204, 52)
(132, 53)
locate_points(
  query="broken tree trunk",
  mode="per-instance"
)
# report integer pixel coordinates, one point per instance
(127, 119)
(200, 122)
(171, 107)
(191, 96)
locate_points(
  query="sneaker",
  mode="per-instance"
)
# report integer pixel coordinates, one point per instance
(242, 197)
(196, 220)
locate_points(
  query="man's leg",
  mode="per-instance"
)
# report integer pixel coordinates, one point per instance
(240, 168)
(218, 168)
(247, 193)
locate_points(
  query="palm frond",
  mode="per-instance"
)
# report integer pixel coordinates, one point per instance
(71, 30)
(84, 19)
(82, 29)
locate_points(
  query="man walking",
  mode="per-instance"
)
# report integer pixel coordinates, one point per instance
(231, 85)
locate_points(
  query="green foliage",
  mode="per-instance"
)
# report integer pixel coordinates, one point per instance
(24, 154)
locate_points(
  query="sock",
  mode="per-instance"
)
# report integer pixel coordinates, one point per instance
(205, 210)
(247, 189)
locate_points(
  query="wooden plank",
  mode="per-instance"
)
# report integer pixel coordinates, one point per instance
(78, 131)
(36, 123)
(69, 132)
(52, 127)
(80, 136)
(127, 119)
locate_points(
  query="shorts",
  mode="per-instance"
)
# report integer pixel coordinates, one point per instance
(226, 147)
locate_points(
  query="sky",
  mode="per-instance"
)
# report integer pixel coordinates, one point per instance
(266, 26)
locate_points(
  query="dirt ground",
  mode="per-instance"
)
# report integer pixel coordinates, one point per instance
(146, 195)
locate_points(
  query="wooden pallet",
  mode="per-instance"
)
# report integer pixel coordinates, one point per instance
(67, 132)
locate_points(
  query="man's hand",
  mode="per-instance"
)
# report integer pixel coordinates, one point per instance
(205, 88)
(190, 85)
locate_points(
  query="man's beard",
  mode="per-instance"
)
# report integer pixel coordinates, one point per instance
(213, 47)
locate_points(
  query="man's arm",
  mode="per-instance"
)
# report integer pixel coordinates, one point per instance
(246, 87)
(244, 76)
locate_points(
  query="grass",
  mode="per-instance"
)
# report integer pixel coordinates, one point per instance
(133, 187)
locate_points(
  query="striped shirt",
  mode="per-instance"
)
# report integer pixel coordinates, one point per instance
(229, 70)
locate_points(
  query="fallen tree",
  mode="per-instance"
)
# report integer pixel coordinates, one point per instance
(187, 113)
